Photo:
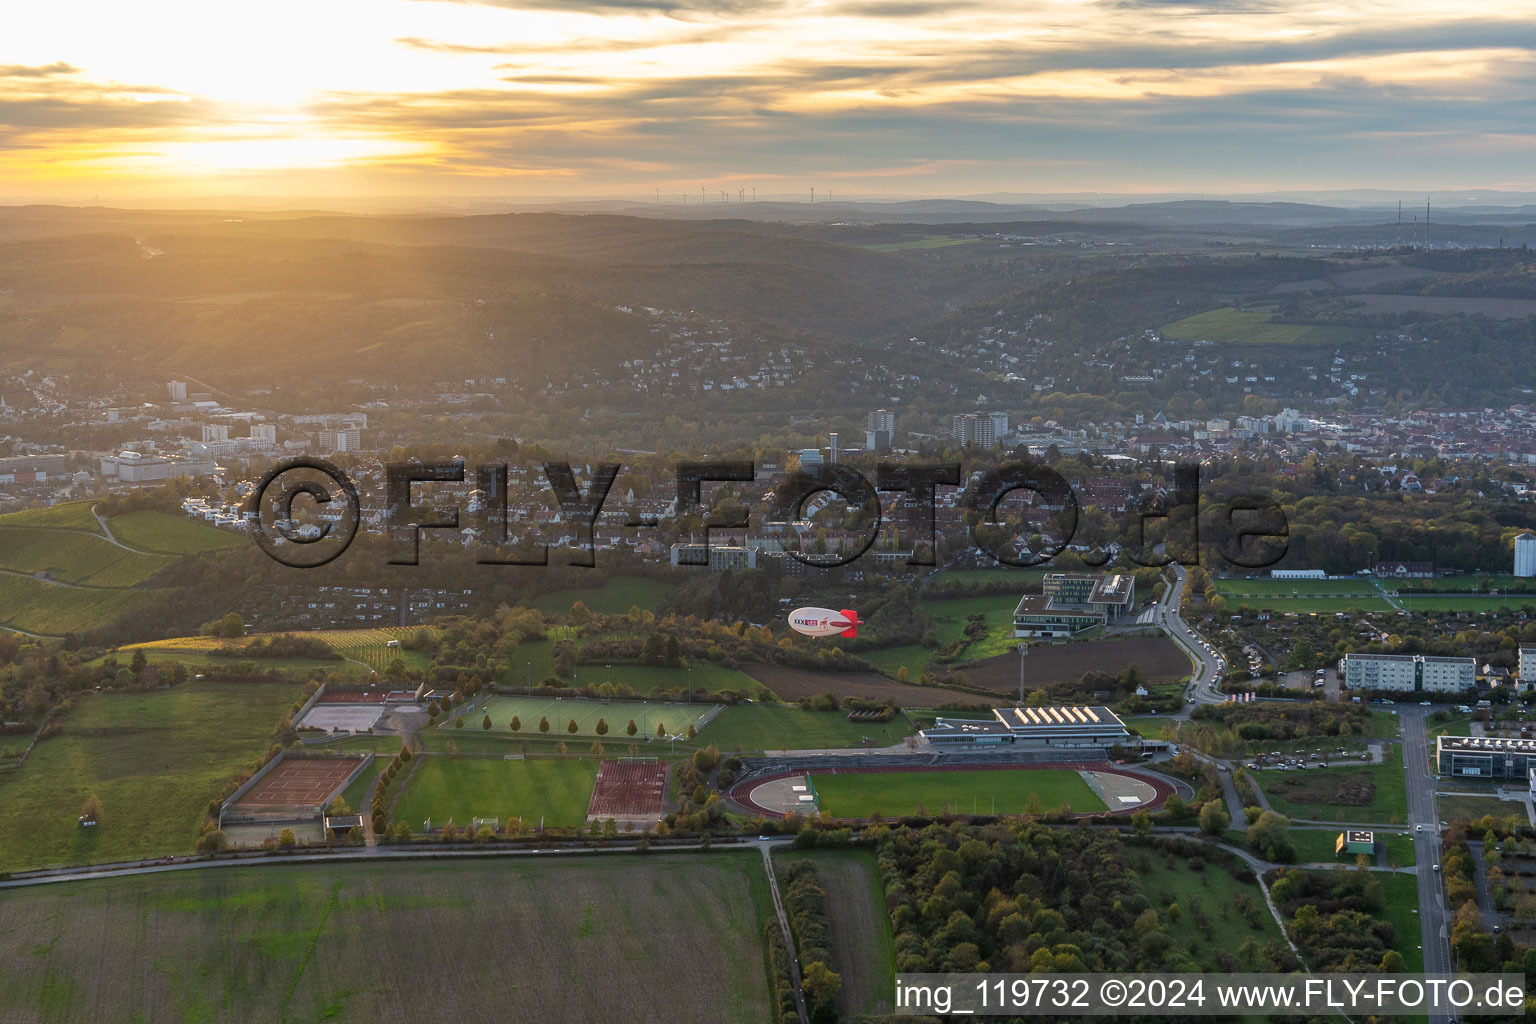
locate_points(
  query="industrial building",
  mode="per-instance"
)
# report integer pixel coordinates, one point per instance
(1076, 731)
(138, 468)
(1485, 757)
(1409, 672)
(1070, 603)
(719, 557)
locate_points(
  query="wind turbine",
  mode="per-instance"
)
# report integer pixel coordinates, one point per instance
(703, 195)
(724, 197)
(754, 193)
(739, 193)
(813, 195)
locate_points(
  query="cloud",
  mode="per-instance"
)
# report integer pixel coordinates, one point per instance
(680, 9)
(37, 71)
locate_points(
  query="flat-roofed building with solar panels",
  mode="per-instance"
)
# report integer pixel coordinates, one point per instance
(1485, 757)
(1074, 730)
(1069, 603)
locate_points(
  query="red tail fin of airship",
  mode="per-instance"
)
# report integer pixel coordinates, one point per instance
(854, 622)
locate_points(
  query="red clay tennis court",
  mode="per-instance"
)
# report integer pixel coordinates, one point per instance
(299, 782)
(626, 789)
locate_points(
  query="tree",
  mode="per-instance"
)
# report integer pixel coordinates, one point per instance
(458, 723)
(433, 711)
(543, 725)
(212, 841)
(485, 723)
(820, 985)
(1267, 837)
(602, 727)
(516, 724)
(597, 747)
(560, 747)
(286, 840)
(91, 809)
(661, 731)
(1141, 821)
(631, 728)
(572, 728)
(1214, 819)
(139, 661)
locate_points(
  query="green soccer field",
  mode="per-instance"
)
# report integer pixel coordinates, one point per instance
(982, 792)
(554, 791)
(647, 716)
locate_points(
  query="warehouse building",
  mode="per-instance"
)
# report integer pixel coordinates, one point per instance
(1409, 672)
(1077, 731)
(1485, 757)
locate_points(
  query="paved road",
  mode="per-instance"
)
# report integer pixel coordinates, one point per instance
(1434, 919)
(1207, 669)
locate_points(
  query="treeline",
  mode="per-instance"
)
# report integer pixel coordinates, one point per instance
(805, 902)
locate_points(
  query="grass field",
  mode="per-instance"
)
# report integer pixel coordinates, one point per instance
(1400, 893)
(863, 950)
(950, 617)
(1456, 584)
(586, 713)
(677, 939)
(1468, 603)
(1245, 328)
(73, 515)
(1470, 808)
(34, 606)
(1316, 846)
(554, 791)
(926, 242)
(171, 534)
(1311, 605)
(1368, 793)
(748, 728)
(536, 661)
(1213, 890)
(889, 660)
(615, 597)
(75, 557)
(1294, 588)
(154, 759)
(956, 792)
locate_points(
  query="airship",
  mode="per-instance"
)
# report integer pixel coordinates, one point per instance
(825, 622)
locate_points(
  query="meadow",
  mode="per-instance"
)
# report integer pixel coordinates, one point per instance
(170, 534)
(535, 662)
(1293, 588)
(1468, 603)
(615, 597)
(951, 617)
(33, 606)
(551, 791)
(72, 556)
(72, 515)
(956, 792)
(1471, 808)
(1255, 328)
(677, 940)
(1375, 793)
(154, 760)
(1214, 891)
(750, 728)
(1316, 846)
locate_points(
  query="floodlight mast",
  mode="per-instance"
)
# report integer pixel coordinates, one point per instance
(1023, 650)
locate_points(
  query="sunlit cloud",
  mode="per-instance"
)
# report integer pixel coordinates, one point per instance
(623, 96)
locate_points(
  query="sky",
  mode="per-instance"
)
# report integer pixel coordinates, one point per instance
(117, 99)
